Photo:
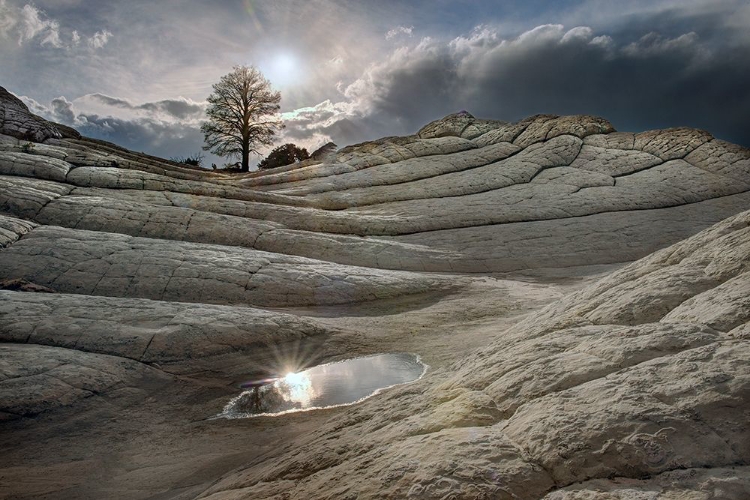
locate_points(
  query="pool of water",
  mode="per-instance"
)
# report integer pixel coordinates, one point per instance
(323, 386)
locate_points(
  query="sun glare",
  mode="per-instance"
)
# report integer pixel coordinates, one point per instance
(294, 379)
(299, 387)
(282, 69)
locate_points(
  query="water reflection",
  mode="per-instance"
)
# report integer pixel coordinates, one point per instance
(323, 386)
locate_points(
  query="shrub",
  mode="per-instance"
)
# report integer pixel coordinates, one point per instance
(194, 160)
(283, 155)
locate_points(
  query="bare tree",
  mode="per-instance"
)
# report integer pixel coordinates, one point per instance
(243, 114)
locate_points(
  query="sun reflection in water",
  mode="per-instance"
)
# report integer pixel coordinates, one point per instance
(297, 387)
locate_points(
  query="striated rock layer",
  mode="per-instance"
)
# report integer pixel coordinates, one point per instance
(644, 375)
(462, 195)
(167, 286)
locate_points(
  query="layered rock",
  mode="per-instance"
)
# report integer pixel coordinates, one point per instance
(168, 283)
(462, 194)
(639, 376)
(108, 264)
(17, 121)
(145, 330)
(37, 378)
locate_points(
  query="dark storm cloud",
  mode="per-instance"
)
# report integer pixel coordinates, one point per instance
(164, 128)
(180, 109)
(151, 136)
(653, 81)
(111, 101)
(62, 111)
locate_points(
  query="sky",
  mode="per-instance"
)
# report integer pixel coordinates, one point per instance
(137, 73)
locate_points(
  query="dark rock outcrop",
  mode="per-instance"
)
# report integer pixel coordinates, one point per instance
(16, 121)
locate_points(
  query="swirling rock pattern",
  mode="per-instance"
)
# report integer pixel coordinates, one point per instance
(616, 381)
(174, 283)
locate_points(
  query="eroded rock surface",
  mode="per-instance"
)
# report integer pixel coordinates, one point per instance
(145, 330)
(17, 121)
(457, 177)
(175, 284)
(37, 378)
(616, 382)
(100, 263)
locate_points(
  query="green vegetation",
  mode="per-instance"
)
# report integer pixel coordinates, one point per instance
(283, 155)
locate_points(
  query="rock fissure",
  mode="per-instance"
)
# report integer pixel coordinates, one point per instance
(634, 209)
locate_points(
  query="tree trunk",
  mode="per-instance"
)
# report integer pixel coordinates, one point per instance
(245, 156)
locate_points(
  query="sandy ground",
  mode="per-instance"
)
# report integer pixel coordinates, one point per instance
(157, 440)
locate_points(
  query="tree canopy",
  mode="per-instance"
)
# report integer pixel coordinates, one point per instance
(243, 115)
(283, 155)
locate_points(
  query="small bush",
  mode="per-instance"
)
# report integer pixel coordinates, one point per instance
(194, 160)
(232, 167)
(283, 155)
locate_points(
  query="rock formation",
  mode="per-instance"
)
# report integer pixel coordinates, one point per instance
(173, 284)
(644, 375)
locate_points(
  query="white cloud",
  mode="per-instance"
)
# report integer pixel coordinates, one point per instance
(8, 19)
(549, 68)
(313, 126)
(52, 37)
(399, 30)
(546, 69)
(541, 34)
(165, 128)
(35, 107)
(29, 24)
(99, 39)
(578, 34)
(179, 111)
(62, 110)
(33, 23)
(481, 38)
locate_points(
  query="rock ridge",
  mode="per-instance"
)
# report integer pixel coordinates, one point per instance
(176, 287)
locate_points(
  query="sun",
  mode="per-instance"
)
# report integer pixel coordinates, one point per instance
(285, 63)
(282, 69)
